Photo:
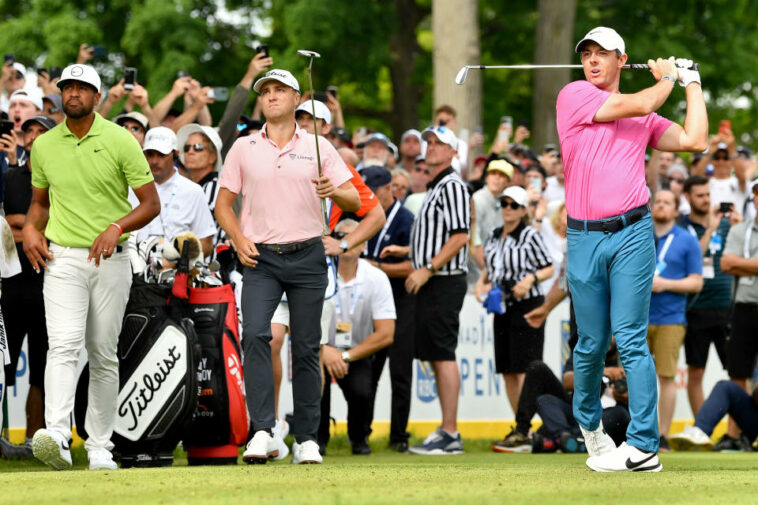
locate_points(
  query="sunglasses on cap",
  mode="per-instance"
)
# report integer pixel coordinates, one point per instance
(197, 147)
(339, 235)
(505, 203)
(720, 158)
(133, 129)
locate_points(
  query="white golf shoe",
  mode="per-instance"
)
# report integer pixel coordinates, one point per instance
(306, 453)
(625, 458)
(101, 459)
(260, 448)
(279, 431)
(691, 439)
(597, 441)
(52, 449)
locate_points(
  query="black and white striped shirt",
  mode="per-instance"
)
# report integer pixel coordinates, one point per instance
(445, 211)
(520, 253)
(209, 183)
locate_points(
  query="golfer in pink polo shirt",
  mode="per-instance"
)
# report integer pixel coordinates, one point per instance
(278, 239)
(611, 252)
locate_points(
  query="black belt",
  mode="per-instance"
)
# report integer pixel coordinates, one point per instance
(290, 247)
(610, 225)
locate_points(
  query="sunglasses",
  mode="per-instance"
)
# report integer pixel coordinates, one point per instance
(339, 235)
(421, 170)
(52, 110)
(19, 75)
(505, 203)
(676, 179)
(720, 158)
(133, 129)
(197, 147)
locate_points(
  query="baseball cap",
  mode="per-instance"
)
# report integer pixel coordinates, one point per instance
(378, 137)
(322, 111)
(422, 154)
(410, 133)
(134, 116)
(55, 99)
(184, 133)
(606, 37)
(45, 121)
(27, 95)
(501, 166)
(443, 134)
(20, 68)
(82, 73)
(160, 139)
(721, 146)
(376, 177)
(517, 194)
(277, 74)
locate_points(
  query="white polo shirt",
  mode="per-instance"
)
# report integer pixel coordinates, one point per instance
(183, 208)
(361, 301)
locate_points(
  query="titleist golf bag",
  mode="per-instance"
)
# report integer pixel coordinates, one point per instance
(221, 422)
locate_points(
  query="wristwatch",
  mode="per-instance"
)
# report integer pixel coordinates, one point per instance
(668, 77)
(429, 266)
(346, 356)
(344, 246)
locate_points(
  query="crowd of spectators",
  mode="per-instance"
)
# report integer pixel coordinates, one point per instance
(513, 255)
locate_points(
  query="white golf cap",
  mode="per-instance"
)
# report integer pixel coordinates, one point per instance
(20, 68)
(443, 134)
(322, 111)
(517, 194)
(82, 73)
(410, 133)
(184, 133)
(31, 95)
(133, 116)
(280, 75)
(160, 139)
(606, 37)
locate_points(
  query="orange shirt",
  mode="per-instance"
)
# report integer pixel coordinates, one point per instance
(368, 199)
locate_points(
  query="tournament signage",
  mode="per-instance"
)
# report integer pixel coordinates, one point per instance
(150, 386)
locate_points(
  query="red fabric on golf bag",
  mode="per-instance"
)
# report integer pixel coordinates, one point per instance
(221, 421)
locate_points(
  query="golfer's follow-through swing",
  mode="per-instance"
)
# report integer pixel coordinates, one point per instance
(611, 251)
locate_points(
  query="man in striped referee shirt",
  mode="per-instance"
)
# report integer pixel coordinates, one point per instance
(439, 254)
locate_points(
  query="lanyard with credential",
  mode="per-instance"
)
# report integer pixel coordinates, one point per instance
(665, 248)
(748, 236)
(383, 232)
(353, 303)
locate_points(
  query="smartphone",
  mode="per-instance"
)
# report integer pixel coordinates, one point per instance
(332, 90)
(55, 72)
(536, 183)
(182, 73)
(507, 121)
(6, 126)
(130, 78)
(320, 96)
(220, 94)
(262, 48)
(42, 70)
(98, 51)
(725, 207)
(8, 57)
(725, 126)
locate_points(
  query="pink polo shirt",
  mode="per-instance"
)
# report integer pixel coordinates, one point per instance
(604, 163)
(279, 202)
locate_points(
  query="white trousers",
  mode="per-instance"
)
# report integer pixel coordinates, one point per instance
(84, 305)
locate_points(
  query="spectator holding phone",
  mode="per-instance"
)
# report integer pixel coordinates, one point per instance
(12, 78)
(729, 181)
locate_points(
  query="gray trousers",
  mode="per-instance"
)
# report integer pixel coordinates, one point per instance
(302, 275)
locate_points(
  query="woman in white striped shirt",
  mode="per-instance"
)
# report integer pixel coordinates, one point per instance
(516, 261)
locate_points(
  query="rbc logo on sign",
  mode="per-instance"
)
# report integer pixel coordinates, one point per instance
(426, 387)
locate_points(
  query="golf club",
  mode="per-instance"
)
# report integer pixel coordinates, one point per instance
(463, 72)
(311, 55)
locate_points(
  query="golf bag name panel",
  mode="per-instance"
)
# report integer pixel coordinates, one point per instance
(144, 396)
(221, 416)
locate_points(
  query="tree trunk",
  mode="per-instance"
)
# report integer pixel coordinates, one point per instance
(554, 44)
(455, 24)
(404, 51)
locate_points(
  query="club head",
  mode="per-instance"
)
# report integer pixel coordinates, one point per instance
(308, 54)
(462, 74)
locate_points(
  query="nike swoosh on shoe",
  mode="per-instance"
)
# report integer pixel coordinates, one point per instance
(632, 465)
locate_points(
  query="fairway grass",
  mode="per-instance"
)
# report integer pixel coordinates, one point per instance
(477, 477)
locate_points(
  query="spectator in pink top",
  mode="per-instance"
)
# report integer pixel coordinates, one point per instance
(278, 239)
(611, 252)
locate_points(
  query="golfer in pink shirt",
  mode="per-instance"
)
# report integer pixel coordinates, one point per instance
(278, 239)
(611, 252)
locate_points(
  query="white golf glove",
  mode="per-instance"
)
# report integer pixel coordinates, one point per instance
(686, 76)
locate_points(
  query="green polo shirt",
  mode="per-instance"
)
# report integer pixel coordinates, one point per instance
(87, 179)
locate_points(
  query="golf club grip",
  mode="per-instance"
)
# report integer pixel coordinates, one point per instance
(645, 66)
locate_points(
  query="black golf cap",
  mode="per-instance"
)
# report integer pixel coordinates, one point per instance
(45, 121)
(376, 177)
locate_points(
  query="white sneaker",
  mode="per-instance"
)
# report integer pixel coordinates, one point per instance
(101, 459)
(306, 453)
(279, 431)
(52, 449)
(625, 458)
(260, 448)
(597, 441)
(691, 439)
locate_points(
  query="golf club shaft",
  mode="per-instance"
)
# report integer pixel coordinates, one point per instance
(632, 66)
(324, 216)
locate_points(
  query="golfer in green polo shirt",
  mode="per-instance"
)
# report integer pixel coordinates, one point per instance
(80, 173)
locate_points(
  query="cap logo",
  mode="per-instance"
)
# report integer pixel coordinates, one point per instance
(77, 71)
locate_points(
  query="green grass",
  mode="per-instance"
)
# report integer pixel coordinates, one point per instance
(477, 477)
